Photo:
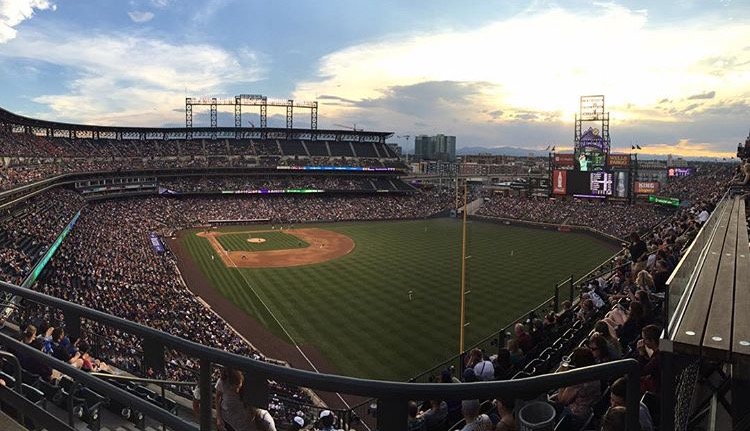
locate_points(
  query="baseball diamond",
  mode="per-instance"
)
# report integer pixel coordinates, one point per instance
(331, 308)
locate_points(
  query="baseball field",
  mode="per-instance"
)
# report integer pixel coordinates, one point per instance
(380, 299)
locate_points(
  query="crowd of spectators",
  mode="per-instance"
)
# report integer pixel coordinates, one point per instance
(107, 263)
(31, 158)
(320, 182)
(620, 313)
(614, 219)
(27, 230)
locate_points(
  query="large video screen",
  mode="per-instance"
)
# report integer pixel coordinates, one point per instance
(590, 160)
(591, 184)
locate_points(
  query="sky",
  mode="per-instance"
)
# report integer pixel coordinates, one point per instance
(675, 74)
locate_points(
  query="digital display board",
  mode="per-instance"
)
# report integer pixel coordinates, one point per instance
(589, 183)
(679, 172)
(589, 160)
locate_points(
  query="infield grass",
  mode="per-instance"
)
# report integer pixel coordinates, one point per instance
(274, 241)
(356, 309)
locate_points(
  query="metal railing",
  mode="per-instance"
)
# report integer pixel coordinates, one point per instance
(392, 396)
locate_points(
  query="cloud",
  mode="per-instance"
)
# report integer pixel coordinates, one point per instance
(15, 12)
(140, 91)
(700, 96)
(160, 4)
(529, 72)
(140, 17)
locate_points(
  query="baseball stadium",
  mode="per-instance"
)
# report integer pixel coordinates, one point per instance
(143, 264)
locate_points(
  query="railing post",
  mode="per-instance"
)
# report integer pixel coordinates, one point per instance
(153, 356)
(257, 395)
(204, 385)
(632, 399)
(72, 325)
(571, 288)
(392, 414)
(556, 302)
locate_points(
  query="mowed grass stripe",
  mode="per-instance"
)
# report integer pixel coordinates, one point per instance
(356, 311)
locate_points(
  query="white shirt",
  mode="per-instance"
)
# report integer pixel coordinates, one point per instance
(703, 216)
(484, 371)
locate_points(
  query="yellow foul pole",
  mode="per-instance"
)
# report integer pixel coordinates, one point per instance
(463, 280)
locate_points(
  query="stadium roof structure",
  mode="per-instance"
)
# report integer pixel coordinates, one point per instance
(20, 123)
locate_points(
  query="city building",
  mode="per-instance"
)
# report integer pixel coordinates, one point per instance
(438, 147)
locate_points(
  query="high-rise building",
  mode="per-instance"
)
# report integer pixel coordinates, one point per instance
(438, 147)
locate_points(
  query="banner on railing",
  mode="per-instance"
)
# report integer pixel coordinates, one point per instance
(156, 243)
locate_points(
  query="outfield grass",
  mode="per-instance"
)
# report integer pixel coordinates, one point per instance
(356, 309)
(274, 241)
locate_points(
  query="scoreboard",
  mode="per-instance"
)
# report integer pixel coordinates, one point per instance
(601, 183)
(585, 184)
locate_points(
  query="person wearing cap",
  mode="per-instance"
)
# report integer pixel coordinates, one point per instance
(326, 421)
(297, 424)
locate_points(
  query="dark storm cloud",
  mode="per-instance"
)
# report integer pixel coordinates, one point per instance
(426, 98)
(708, 95)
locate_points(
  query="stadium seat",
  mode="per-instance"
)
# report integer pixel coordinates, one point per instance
(90, 410)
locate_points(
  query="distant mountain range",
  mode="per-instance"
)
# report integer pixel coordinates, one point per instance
(524, 152)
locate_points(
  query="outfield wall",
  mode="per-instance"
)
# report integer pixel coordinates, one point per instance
(551, 226)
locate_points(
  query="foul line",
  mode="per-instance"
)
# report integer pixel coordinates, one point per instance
(280, 325)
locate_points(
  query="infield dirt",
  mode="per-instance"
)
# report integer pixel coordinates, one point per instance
(324, 245)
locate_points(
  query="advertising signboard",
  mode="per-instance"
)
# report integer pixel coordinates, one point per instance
(618, 160)
(646, 187)
(564, 161)
(559, 182)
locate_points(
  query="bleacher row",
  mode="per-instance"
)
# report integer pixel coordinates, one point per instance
(24, 145)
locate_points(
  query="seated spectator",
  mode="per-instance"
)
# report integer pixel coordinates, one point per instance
(502, 364)
(599, 348)
(614, 347)
(484, 369)
(648, 356)
(615, 419)
(617, 398)
(62, 349)
(516, 354)
(587, 310)
(435, 414)
(505, 409)
(298, 423)
(414, 423)
(524, 339)
(30, 363)
(474, 421)
(577, 400)
(326, 421)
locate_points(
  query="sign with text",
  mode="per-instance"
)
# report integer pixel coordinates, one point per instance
(565, 161)
(664, 201)
(618, 160)
(646, 187)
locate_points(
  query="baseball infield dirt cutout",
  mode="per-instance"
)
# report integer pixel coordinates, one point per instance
(324, 245)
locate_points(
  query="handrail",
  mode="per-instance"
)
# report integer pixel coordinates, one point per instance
(16, 367)
(393, 395)
(142, 379)
(97, 384)
(708, 229)
(41, 416)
